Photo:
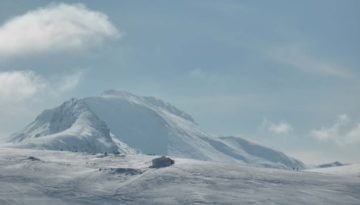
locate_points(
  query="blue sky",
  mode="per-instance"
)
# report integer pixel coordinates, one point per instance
(282, 73)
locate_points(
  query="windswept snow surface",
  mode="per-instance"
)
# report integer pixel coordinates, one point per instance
(39, 177)
(145, 124)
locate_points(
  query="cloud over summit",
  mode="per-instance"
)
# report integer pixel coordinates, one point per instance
(57, 27)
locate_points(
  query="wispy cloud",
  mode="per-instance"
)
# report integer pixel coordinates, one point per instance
(69, 82)
(203, 75)
(332, 132)
(54, 28)
(341, 132)
(297, 57)
(16, 86)
(280, 128)
(19, 86)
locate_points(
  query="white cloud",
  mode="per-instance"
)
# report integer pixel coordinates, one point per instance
(340, 132)
(353, 136)
(69, 82)
(332, 132)
(17, 86)
(298, 58)
(54, 28)
(281, 128)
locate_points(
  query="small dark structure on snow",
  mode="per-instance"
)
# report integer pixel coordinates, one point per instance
(31, 158)
(125, 171)
(162, 162)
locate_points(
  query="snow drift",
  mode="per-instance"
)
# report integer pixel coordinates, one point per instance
(69, 178)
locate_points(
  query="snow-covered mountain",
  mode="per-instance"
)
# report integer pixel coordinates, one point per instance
(72, 126)
(119, 121)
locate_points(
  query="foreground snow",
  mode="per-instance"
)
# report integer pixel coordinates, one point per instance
(36, 177)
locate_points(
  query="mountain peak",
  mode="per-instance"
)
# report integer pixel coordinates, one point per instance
(116, 93)
(119, 120)
(72, 126)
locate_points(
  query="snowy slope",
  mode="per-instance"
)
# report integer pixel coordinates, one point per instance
(37, 177)
(332, 164)
(150, 126)
(253, 153)
(153, 126)
(352, 170)
(71, 126)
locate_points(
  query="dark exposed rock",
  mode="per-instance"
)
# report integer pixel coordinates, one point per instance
(162, 162)
(333, 164)
(33, 158)
(125, 171)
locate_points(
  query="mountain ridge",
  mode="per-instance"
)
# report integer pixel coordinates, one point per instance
(118, 121)
(65, 128)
